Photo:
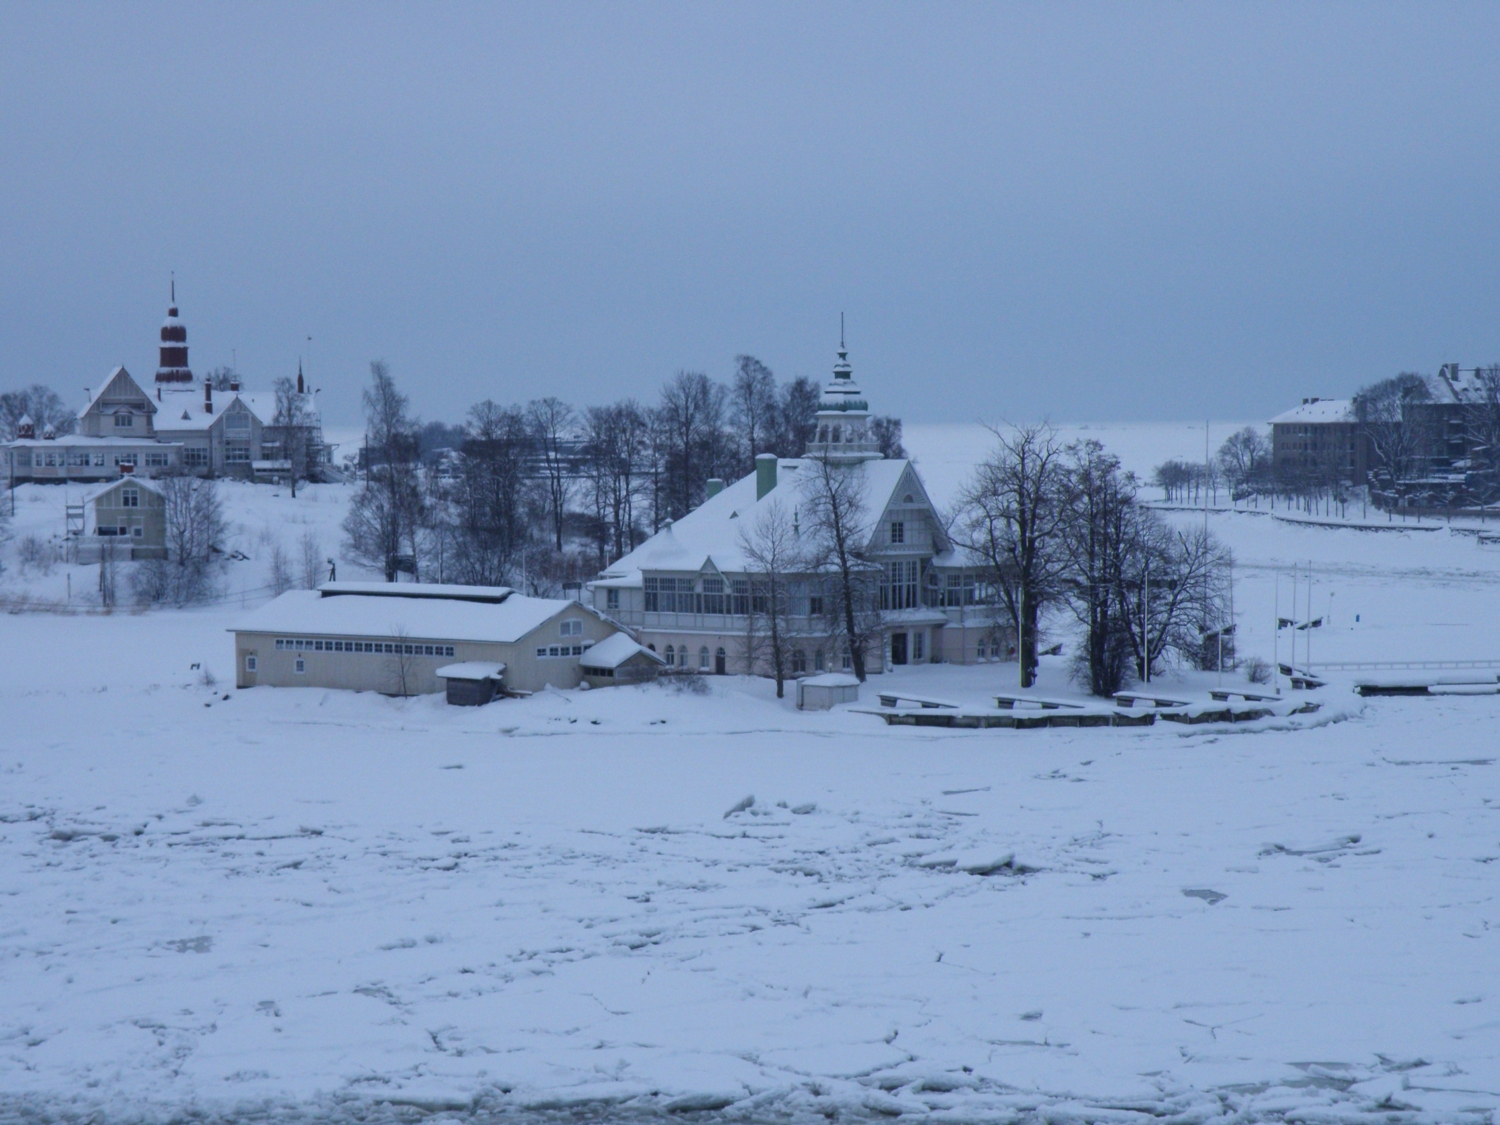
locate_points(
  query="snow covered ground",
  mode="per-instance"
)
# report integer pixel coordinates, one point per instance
(306, 905)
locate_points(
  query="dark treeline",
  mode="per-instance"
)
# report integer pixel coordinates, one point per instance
(542, 494)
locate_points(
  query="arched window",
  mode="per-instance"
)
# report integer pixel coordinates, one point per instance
(671, 656)
(703, 659)
(823, 435)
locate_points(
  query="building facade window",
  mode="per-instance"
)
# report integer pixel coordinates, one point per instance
(195, 456)
(898, 531)
(250, 663)
(237, 454)
(123, 460)
(918, 645)
(124, 421)
(713, 596)
(740, 597)
(900, 589)
(158, 460)
(300, 666)
(703, 659)
(570, 628)
(799, 662)
(611, 599)
(671, 657)
(130, 497)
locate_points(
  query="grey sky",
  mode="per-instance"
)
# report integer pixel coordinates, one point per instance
(1085, 211)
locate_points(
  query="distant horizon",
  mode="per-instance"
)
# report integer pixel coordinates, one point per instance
(1162, 212)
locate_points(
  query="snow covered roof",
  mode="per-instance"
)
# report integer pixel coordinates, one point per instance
(708, 537)
(614, 651)
(140, 482)
(183, 410)
(1323, 410)
(105, 442)
(109, 381)
(831, 679)
(471, 670)
(311, 613)
(448, 590)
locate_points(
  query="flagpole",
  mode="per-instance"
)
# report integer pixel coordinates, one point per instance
(1276, 635)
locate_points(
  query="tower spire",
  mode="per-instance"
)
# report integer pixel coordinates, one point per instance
(174, 370)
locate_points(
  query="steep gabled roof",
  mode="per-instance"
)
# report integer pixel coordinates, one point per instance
(115, 375)
(139, 482)
(709, 535)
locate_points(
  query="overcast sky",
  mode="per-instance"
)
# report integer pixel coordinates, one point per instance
(1077, 211)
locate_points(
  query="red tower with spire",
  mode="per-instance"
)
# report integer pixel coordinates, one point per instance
(174, 370)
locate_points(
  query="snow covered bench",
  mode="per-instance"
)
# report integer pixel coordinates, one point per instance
(1226, 694)
(1430, 683)
(1130, 698)
(1008, 702)
(896, 698)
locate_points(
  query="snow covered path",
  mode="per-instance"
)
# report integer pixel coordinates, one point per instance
(310, 902)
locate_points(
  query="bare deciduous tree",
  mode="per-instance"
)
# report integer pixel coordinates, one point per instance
(551, 423)
(838, 548)
(1380, 411)
(774, 552)
(1012, 514)
(195, 530)
(292, 426)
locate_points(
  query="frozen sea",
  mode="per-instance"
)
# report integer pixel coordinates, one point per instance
(306, 905)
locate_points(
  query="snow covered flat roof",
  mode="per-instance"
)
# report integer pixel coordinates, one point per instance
(471, 670)
(439, 590)
(1320, 410)
(81, 439)
(831, 679)
(311, 613)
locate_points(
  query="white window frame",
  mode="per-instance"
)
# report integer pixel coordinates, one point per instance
(250, 662)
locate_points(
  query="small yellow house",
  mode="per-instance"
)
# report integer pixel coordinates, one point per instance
(128, 517)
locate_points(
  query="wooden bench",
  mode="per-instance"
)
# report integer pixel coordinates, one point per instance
(1129, 699)
(1008, 702)
(895, 699)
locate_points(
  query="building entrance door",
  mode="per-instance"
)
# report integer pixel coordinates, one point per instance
(721, 660)
(898, 648)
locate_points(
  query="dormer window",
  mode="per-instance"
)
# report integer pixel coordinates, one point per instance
(124, 420)
(238, 420)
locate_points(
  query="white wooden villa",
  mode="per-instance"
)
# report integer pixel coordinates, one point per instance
(687, 591)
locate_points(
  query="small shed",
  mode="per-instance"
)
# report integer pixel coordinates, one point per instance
(618, 660)
(819, 693)
(472, 683)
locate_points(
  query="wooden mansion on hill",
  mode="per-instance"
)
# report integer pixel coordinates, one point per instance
(181, 425)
